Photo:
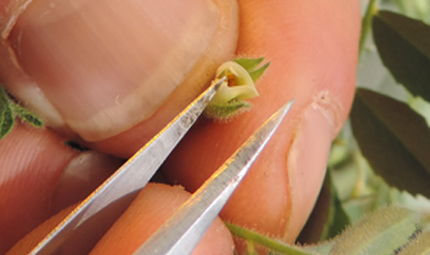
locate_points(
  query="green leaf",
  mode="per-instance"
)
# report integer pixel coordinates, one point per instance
(382, 232)
(9, 109)
(383, 195)
(419, 246)
(404, 46)
(415, 8)
(394, 139)
(328, 217)
(27, 115)
(321, 248)
(374, 194)
(7, 119)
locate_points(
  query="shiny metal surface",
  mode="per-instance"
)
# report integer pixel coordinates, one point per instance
(181, 233)
(100, 210)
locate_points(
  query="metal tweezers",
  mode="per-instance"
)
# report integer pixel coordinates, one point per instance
(181, 233)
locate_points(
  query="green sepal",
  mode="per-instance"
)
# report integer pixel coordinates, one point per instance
(226, 111)
(7, 119)
(251, 64)
(255, 75)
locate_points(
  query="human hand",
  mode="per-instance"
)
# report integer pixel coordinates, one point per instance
(312, 47)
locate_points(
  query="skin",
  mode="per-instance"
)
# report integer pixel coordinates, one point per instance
(312, 47)
(166, 199)
(314, 66)
(150, 64)
(27, 165)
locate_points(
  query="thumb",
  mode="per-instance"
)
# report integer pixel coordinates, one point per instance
(99, 67)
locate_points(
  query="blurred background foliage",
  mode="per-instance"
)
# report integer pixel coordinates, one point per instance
(352, 188)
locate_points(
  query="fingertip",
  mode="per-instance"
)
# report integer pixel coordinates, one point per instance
(154, 204)
(81, 176)
(26, 244)
(40, 175)
(32, 160)
(307, 163)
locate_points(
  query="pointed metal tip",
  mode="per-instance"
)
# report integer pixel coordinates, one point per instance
(185, 228)
(279, 115)
(219, 82)
(286, 108)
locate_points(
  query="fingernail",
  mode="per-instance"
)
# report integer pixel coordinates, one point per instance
(307, 163)
(107, 65)
(81, 176)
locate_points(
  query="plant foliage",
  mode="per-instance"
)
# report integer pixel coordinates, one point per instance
(9, 109)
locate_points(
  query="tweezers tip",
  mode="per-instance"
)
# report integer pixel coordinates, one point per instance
(288, 105)
(282, 112)
(219, 82)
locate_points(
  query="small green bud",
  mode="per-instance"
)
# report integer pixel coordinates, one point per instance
(240, 85)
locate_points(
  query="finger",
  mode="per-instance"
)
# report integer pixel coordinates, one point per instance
(28, 175)
(101, 67)
(154, 204)
(27, 243)
(39, 176)
(312, 47)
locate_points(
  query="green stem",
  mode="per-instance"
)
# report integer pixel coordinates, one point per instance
(367, 23)
(272, 244)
